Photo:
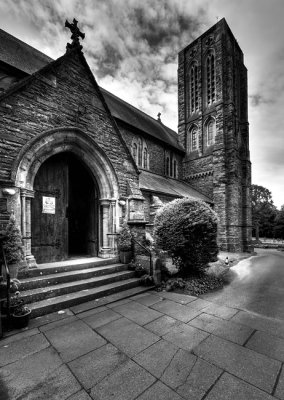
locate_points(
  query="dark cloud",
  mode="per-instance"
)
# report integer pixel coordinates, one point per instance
(258, 99)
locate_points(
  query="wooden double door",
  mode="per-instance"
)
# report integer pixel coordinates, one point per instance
(64, 215)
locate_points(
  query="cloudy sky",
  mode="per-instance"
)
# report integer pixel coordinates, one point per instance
(132, 46)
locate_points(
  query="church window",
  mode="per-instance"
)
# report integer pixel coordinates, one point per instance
(168, 165)
(145, 158)
(175, 169)
(140, 152)
(210, 132)
(193, 89)
(134, 151)
(194, 139)
(210, 77)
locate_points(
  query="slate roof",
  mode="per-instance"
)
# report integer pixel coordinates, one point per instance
(168, 186)
(27, 59)
(124, 111)
(20, 55)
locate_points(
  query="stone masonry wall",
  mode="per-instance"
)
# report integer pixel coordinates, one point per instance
(64, 97)
(156, 151)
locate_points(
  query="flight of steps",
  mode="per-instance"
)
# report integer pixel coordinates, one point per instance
(56, 286)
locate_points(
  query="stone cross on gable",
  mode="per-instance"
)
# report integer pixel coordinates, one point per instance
(76, 34)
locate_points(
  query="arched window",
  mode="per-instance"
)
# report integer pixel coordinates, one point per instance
(175, 169)
(210, 76)
(210, 130)
(145, 158)
(140, 153)
(134, 151)
(193, 90)
(194, 143)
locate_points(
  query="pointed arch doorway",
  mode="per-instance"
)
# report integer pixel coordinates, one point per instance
(64, 212)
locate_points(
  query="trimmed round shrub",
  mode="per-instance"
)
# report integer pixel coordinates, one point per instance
(187, 229)
(124, 240)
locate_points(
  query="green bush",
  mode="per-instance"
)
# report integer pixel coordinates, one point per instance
(187, 229)
(124, 240)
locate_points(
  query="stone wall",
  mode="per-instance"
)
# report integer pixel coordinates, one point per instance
(156, 150)
(63, 96)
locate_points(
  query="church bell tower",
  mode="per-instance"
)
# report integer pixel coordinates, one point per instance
(214, 130)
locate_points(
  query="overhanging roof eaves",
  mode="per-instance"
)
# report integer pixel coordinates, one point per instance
(20, 55)
(155, 183)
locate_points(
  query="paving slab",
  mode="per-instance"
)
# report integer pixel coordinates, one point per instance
(279, 391)
(74, 339)
(270, 325)
(56, 324)
(225, 329)
(46, 319)
(96, 365)
(234, 332)
(102, 318)
(159, 391)
(36, 377)
(220, 311)
(157, 357)
(92, 311)
(267, 344)
(231, 388)
(186, 337)
(14, 351)
(175, 310)
(82, 395)
(202, 376)
(163, 325)
(206, 322)
(147, 299)
(244, 363)
(18, 336)
(198, 304)
(118, 303)
(137, 312)
(178, 297)
(229, 330)
(126, 383)
(179, 368)
(127, 336)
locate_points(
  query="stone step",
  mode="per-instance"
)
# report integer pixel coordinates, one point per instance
(73, 299)
(70, 276)
(42, 293)
(67, 265)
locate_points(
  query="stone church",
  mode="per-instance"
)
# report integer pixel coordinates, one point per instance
(75, 160)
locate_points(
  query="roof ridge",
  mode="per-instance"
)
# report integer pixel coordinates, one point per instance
(138, 109)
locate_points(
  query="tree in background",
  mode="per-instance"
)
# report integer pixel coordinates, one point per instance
(279, 224)
(263, 212)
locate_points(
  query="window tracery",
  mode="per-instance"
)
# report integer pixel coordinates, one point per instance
(210, 78)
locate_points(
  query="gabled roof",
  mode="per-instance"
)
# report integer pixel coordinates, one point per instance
(20, 55)
(27, 59)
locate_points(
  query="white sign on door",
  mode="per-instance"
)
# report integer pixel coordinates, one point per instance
(48, 205)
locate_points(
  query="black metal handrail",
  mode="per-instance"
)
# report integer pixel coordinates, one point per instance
(8, 278)
(148, 251)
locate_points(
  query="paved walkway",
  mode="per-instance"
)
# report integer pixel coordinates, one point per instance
(154, 346)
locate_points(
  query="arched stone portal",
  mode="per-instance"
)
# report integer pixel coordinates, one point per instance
(57, 145)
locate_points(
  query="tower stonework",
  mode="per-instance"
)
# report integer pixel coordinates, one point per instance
(214, 130)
